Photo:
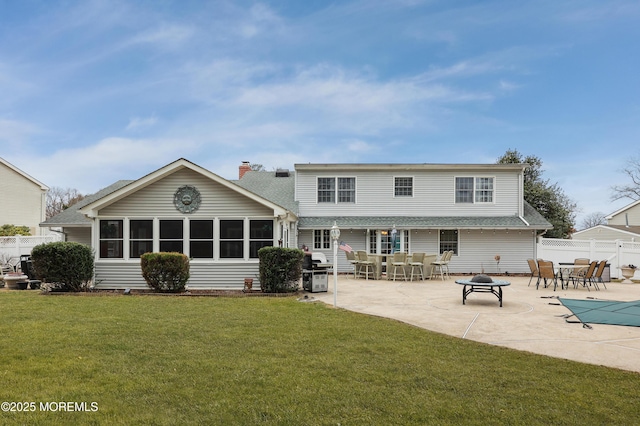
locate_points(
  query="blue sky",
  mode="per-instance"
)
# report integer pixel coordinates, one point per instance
(95, 91)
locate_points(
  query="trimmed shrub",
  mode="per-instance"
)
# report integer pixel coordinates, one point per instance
(65, 266)
(280, 269)
(165, 272)
(12, 230)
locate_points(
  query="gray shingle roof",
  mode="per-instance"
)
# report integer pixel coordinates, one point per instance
(426, 222)
(72, 217)
(277, 189)
(531, 216)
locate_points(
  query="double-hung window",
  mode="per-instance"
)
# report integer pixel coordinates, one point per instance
(140, 237)
(484, 190)
(260, 235)
(171, 235)
(201, 239)
(331, 189)
(231, 239)
(346, 190)
(326, 190)
(111, 239)
(321, 239)
(403, 187)
(474, 190)
(449, 240)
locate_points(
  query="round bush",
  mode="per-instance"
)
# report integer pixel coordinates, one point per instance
(165, 272)
(65, 265)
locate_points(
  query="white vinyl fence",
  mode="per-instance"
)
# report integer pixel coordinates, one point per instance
(617, 252)
(11, 248)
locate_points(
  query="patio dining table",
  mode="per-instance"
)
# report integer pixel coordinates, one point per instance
(565, 267)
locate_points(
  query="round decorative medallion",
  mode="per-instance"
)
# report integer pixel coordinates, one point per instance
(187, 199)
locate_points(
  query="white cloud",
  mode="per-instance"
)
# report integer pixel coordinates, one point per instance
(137, 122)
(259, 20)
(166, 36)
(15, 133)
(93, 167)
(359, 146)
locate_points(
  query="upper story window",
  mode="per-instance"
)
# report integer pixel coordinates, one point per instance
(342, 189)
(403, 187)
(474, 190)
(326, 190)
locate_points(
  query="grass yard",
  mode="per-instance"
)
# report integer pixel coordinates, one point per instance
(206, 360)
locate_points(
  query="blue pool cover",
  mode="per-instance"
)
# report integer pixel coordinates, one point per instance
(604, 311)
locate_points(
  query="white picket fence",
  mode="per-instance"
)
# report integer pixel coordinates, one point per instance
(11, 248)
(617, 252)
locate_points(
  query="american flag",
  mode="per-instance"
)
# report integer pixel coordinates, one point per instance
(344, 246)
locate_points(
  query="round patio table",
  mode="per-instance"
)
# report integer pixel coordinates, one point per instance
(494, 287)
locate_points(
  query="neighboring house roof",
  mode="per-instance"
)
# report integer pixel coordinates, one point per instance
(72, 217)
(633, 231)
(17, 170)
(278, 187)
(91, 209)
(623, 228)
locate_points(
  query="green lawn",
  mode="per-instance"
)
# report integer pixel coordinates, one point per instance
(208, 360)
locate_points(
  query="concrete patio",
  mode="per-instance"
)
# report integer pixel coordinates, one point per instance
(528, 321)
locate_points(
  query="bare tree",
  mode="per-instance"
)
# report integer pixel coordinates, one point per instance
(593, 219)
(59, 199)
(632, 190)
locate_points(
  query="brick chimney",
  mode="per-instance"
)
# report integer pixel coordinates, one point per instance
(244, 168)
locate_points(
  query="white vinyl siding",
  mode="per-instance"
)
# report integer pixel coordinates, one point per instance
(204, 276)
(630, 216)
(157, 200)
(433, 195)
(15, 187)
(476, 249)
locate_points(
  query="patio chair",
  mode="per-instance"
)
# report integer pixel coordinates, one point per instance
(597, 276)
(26, 265)
(351, 257)
(442, 265)
(399, 261)
(533, 267)
(547, 272)
(578, 273)
(364, 262)
(417, 265)
(587, 279)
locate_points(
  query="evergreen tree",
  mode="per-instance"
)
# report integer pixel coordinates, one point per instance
(547, 198)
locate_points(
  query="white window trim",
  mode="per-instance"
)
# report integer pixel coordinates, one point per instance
(337, 190)
(475, 189)
(126, 241)
(413, 186)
